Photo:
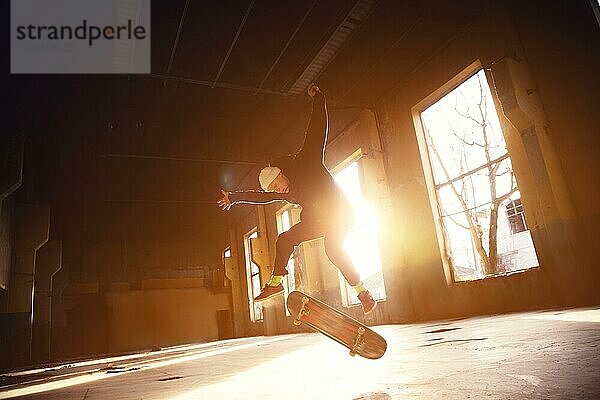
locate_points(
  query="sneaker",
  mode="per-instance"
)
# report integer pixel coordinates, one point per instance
(269, 291)
(368, 304)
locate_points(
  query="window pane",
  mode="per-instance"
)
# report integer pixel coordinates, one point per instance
(256, 285)
(258, 312)
(289, 283)
(286, 220)
(252, 274)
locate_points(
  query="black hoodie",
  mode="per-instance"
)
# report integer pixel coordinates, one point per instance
(311, 183)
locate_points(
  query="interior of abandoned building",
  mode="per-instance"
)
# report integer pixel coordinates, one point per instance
(465, 134)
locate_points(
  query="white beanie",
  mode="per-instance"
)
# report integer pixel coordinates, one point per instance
(267, 176)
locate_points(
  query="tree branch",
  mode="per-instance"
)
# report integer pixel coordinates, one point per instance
(451, 216)
(467, 117)
(500, 199)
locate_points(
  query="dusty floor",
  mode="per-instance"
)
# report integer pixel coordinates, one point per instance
(541, 355)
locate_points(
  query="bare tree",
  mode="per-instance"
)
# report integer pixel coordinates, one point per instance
(463, 186)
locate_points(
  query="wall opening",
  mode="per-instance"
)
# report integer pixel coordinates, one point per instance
(362, 243)
(220, 276)
(253, 275)
(481, 221)
(285, 220)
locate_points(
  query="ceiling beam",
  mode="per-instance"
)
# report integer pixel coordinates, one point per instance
(212, 203)
(397, 41)
(178, 35)
(233, 42)
(333, 100)
(306, 14)
(359, 12)
(166, 158)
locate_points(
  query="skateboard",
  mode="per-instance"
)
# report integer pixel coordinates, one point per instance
(357, 337)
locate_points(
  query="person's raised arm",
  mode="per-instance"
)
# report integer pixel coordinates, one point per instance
(316, 134)
(230, 199)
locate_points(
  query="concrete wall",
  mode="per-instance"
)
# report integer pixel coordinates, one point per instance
(59, 322)
(244, 325)
(134, 261)
(31, 229)
(560, 42)
(48, 263)
(562, 237)
(544, 75)
(542, 58)
(6, 241)
(11, 176)
(166, 312)
(162, 317)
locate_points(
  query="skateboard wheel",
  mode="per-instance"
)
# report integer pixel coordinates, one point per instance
(303, 311)
(358, 341)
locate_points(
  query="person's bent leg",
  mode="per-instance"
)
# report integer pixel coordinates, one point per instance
(284, 247)
(283, 250)
(338, 256)
(286, 242)
(341, 259)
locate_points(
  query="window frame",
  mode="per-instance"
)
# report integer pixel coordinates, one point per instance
(516, 211)
(294, 219)
(250, 275)
(345, 292)
(471, 70)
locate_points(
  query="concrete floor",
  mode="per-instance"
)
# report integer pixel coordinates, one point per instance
(538, 355)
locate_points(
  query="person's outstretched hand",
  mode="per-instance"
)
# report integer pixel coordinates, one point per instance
(224, 203)
(313, 89)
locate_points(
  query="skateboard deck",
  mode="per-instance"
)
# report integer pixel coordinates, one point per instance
(357, 337)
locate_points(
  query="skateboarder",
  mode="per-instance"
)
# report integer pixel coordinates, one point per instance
(303, 179)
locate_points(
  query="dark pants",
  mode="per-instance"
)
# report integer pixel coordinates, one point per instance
(334, 235)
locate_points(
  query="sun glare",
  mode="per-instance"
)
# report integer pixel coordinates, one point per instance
(362, 242)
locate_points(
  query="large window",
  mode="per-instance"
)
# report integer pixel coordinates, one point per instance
(253, 274)
(362, 243)
(483, 225)
(285, 222)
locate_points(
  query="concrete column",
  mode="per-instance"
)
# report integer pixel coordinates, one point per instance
(6, 245)
(261, 256)
(232, 273)
(47, 264)
(32, 224)
(546, 198)
(58, 321)
(11, 174)
(11, 177)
